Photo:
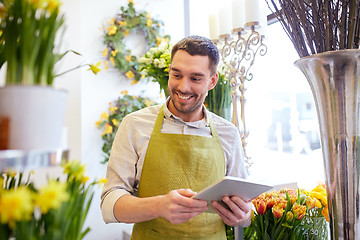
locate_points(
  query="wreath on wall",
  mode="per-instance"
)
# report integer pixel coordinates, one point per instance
(126, 22)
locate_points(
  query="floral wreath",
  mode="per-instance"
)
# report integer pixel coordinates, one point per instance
(130, 21)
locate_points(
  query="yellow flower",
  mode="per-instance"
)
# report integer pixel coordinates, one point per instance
(114, 52)
(111, 21)
(130, 75)
(135, 97)
(112, 60)
(102, 181)
(105, 63)
(134, 82)
(98, 123)
(148, 15)
(51, 196)
(126, 32)
(53, 5)
(105, 116)
(105, 52)
(16, 205)
(132, 2)
(142, 76)
(149, 22)
(125, 92)
(74, 169)
(111, 30)
(85, 179)
(128, 58)
(148, 103)
(115, 122)
(95, 68)
(113, 109)
(108, 129)
(121, 23)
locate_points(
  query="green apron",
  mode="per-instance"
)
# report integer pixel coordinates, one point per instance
(175, 161)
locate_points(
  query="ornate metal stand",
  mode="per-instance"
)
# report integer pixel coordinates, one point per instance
(238, 56)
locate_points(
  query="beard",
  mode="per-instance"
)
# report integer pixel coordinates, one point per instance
(185, 108)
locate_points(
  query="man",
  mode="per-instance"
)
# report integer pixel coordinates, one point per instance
(162, 155)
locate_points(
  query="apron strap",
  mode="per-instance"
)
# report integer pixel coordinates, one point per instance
(160, 119)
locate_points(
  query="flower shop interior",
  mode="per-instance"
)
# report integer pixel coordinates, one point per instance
(278, 117)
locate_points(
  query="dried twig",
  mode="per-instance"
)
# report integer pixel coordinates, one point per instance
(316, 26)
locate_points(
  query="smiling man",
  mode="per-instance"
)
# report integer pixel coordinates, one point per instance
(162, 155)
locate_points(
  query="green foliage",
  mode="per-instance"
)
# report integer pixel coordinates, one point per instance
(218, 99)
(110, 120)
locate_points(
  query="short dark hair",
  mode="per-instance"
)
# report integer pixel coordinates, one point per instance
(197, 45)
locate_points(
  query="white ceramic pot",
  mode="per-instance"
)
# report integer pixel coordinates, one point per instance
(36, 116)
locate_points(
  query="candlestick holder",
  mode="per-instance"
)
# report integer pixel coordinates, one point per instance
(238, 52)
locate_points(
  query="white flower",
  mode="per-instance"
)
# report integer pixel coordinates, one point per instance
(145, 60)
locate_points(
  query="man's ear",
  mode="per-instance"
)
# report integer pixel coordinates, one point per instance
(213, 81)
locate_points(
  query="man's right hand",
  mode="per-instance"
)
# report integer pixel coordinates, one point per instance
(178, 207)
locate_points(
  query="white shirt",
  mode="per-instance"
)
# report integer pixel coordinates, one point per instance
(131, 142)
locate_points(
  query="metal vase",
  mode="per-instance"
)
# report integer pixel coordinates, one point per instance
(335, 84)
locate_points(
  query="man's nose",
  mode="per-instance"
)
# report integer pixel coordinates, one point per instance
(184, 85)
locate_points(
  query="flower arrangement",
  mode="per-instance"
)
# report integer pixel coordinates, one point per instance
(27, 42)
(282, 214)
(319, 26)
(218, 99)
(54, 211)
(111, 119)
(155, 64)
(130, 21)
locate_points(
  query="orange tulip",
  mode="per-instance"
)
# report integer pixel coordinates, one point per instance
(299, 211)
(278, 211)
(260, 206)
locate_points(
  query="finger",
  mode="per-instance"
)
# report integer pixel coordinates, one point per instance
(186, 192)
(219, 210)
(244, 206)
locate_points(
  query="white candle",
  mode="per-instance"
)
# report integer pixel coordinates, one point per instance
(238, 13)
(252, 11)
(214, 26)
(225, 23)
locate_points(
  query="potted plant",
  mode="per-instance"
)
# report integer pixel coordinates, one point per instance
(27, 45)
(326, 35)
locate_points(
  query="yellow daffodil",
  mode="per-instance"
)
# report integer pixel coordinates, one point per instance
(129, 75)
(16, 205)
(114, 52)
(95, 68)
(108, 129)
(126, 32)
(74, 169)
(84, 179)
(148, 15)
(112, 60)
(125, 92)
(142, 76)
(111, 30)
(135, 97)
(115, 122)
(53, 6)
(105, 116)
(113, 109)
(105, 52)
(132, 2)
(128, 58)
(51, 196)
(149, 22)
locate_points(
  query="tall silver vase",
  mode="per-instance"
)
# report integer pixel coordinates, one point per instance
(334, 78)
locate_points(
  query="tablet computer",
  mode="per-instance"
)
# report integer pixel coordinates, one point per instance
(231, 186)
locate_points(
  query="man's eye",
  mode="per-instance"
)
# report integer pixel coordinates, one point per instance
(176, 75)
(195, 79)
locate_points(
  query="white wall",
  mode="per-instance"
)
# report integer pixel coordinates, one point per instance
(89, 95)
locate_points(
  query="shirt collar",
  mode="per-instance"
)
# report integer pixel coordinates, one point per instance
(197, 124)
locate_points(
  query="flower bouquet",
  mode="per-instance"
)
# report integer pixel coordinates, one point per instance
(282, 214)
(155, 64)
(54, 211)
(111, 119)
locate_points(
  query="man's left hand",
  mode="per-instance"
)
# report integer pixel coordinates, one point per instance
(239, 213)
